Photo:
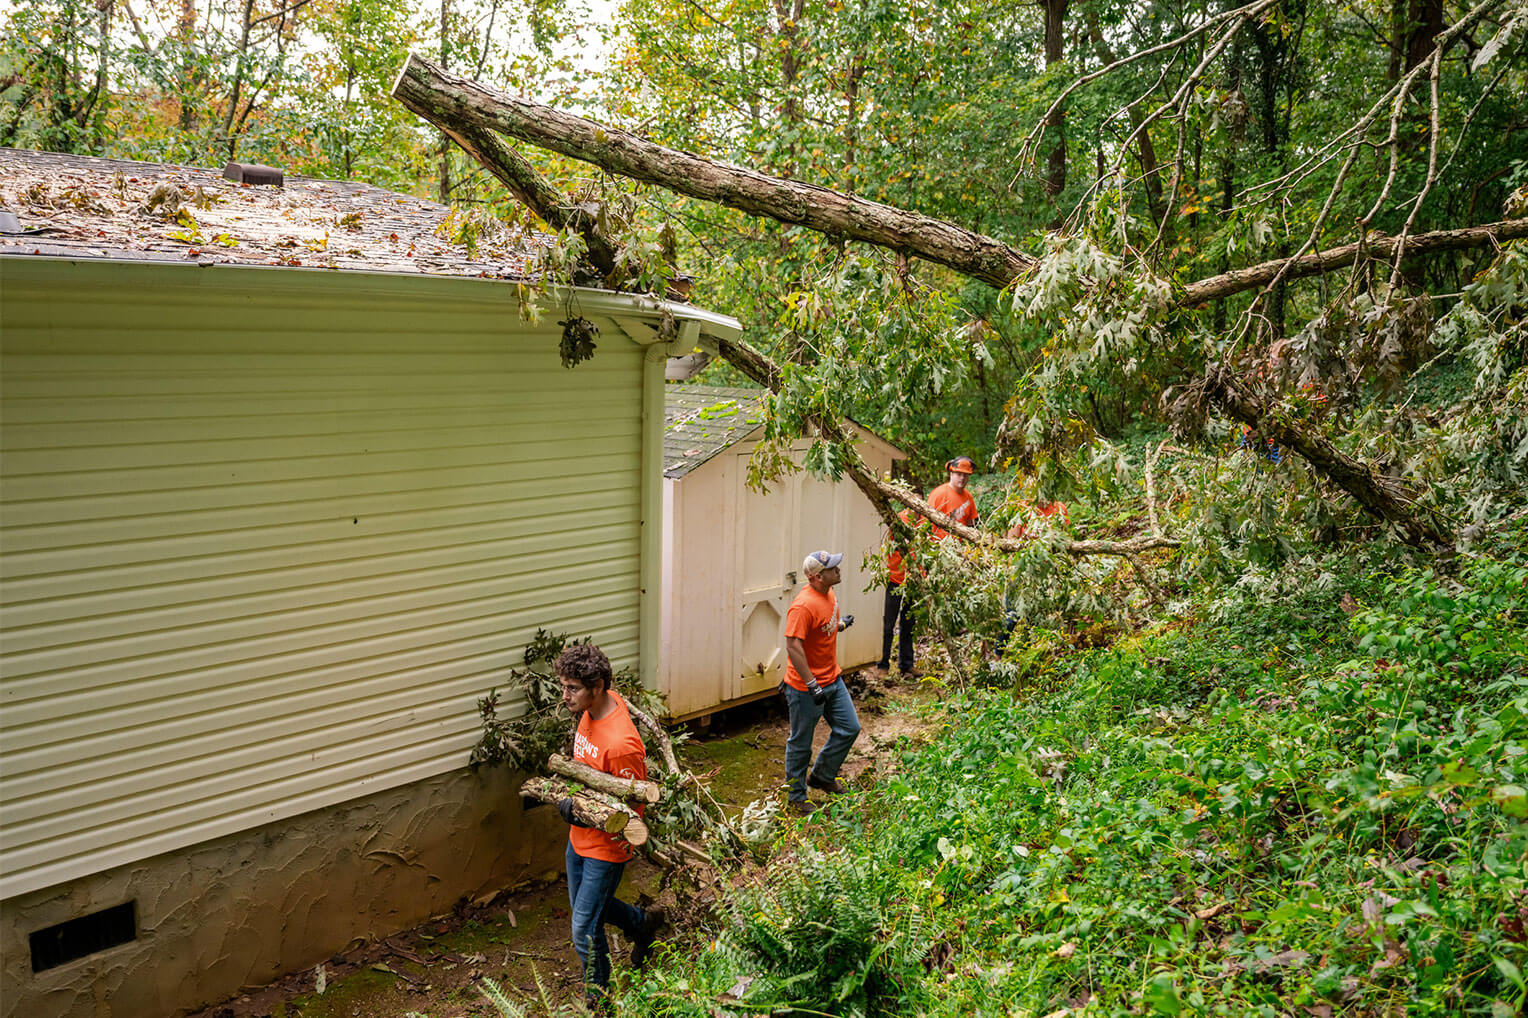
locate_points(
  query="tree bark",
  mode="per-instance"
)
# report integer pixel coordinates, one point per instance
(589, 808)
(458, 101)
(586, 808)
(516, 173)
(1315, 263)
(1055, 124)
(625, 789)
(1385, 497)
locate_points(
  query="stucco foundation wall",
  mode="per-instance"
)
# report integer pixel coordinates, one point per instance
(241, 910)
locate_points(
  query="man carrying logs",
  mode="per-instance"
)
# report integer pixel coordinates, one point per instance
(607, 742)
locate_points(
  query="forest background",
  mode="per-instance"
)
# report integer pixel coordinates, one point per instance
(1266, 749)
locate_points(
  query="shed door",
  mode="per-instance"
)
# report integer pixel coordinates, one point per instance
(765, 586)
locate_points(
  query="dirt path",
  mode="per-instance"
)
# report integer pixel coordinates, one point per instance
(519, 937)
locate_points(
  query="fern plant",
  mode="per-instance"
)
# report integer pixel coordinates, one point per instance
(825, 934)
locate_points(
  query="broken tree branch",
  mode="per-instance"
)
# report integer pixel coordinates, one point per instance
(458, 105)
(1385, 497)
(665, 746)
(1314, 263)
(470, 111)
(516, 173)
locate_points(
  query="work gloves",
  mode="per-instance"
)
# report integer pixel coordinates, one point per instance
(848, 621)
(565, 807)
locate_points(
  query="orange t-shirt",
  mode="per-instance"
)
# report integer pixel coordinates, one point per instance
(958, 505)
(813, 619)
(612, 745)
(896, 571)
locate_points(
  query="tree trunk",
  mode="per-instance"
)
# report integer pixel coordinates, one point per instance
(186, 75)
(240, 63)
(1315, 263)
(1384, 497)
(462, 102)
(445, 138)
(789, 14)
(589, 808)
(516, 173)
(464, 106)
(1146, 152)
(625, 789)
(1055, 124)
(1422, 23)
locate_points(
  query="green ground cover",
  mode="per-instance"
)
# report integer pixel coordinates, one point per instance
(1310, 804)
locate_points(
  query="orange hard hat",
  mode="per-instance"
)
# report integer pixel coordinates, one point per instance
(961, 465)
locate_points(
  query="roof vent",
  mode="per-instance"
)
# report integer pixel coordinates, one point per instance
(254, 173)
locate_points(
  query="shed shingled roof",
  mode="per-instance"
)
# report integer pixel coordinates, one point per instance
(700, 421)
(84, 207)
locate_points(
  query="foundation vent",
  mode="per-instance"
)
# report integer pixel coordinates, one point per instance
(84, 935)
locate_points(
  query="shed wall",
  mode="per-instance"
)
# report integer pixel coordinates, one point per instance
(268, 535)
(731, 548)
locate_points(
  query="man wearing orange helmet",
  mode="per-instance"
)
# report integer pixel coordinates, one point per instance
(952, 498)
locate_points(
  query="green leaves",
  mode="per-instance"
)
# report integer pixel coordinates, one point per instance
(1512, 800)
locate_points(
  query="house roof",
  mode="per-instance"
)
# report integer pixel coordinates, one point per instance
(84, 207)
(702, 420)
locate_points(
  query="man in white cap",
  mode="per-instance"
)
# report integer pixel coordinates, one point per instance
(812, 687)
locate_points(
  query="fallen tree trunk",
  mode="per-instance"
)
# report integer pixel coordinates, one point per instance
(446, 99)
(625, 789)
(589, 809)
(1385, 497)
(516, 173)
(1316, 262)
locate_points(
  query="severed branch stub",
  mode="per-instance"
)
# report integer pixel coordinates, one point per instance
(626, 789)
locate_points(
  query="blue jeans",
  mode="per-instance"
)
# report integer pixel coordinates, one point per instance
(591, 892)
(843, 723)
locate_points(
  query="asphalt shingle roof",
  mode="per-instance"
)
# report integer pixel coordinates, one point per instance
(84, 207)
(702, 420)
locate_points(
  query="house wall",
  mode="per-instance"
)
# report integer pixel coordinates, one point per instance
(268, 535)
(717, 522)
(244, 909)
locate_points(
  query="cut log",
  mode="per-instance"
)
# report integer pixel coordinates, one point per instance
(626, 789)
(635, 832)
(588, 809)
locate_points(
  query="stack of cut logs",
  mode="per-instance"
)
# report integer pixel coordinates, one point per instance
(602, 801)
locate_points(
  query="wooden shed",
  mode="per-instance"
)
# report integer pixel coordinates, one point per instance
(289, 481)
(732, 555)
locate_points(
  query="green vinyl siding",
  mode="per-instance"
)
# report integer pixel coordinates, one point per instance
(267, 535)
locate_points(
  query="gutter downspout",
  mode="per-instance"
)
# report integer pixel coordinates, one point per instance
(650, 573)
